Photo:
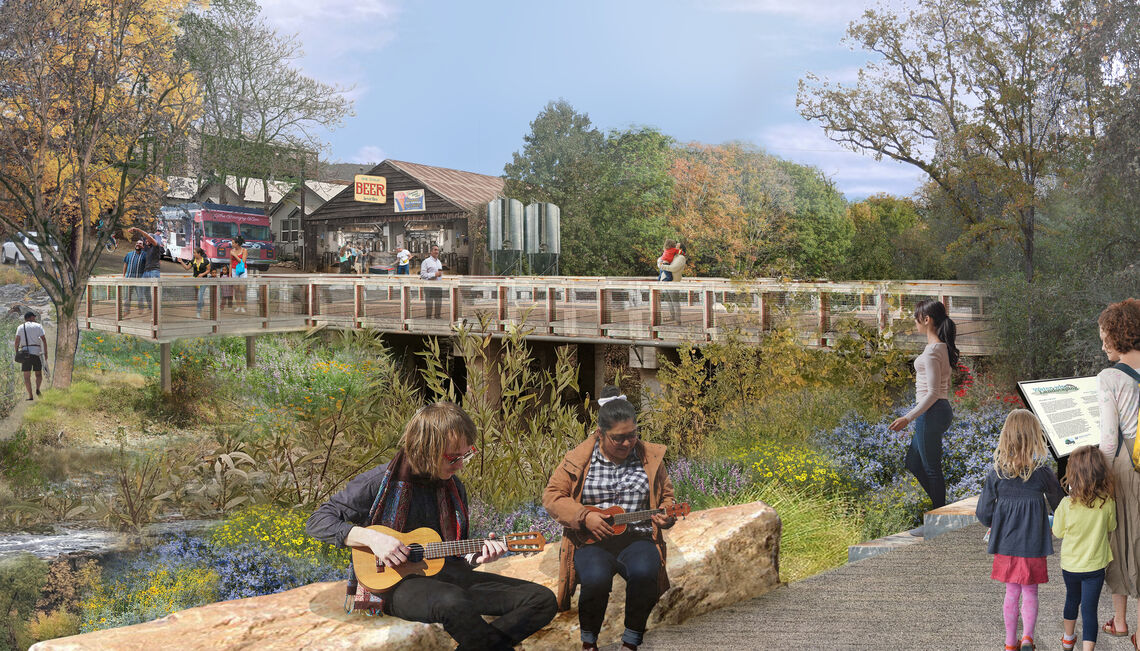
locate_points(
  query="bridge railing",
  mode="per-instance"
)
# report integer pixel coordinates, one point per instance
(622, 310)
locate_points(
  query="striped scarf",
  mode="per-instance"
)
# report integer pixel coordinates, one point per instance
(390, 509)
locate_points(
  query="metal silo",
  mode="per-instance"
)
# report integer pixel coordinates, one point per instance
(495, 224)
(552, 228)
(505, 225)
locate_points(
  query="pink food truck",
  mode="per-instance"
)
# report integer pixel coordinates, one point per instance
(213, 227)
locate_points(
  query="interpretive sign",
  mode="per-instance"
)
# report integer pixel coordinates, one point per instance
(370, 189)
(1067, 409)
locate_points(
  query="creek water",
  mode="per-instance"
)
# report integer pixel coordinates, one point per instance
(98, 542)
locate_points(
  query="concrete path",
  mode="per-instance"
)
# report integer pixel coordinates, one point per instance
(935, 595)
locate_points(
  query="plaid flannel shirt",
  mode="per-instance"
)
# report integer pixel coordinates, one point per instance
(622, 484)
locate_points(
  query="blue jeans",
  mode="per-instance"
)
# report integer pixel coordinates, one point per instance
(636, 559)
(202, 289)
(924, 458)
(402, 269)
(1083, 589)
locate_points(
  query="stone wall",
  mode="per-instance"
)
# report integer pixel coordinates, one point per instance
(716, 557)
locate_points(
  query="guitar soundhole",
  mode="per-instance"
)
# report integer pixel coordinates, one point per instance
(416, 554)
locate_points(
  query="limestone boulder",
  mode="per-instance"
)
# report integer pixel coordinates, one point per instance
(716, 557)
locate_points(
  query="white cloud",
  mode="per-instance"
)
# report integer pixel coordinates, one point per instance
(337, 35)
(368, 154)
(856, 175)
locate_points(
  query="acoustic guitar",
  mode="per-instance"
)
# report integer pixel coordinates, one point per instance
(427, 554)
(618, 519)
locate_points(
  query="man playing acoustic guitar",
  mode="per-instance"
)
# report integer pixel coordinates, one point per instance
(612, 467)
(418, 489)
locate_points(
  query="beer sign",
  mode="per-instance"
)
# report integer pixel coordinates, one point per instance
(370, 189)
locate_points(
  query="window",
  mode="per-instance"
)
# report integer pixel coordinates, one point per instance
(291, 227)
(254, 232)
(221, 229)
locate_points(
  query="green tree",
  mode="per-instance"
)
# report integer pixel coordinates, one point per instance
(892, 241)
(992, 99)
(819, 229)
(262, 117)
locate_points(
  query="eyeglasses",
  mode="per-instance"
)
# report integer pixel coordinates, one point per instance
(624, 438)
(462, 457)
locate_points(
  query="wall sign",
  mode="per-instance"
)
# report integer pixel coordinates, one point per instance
(1067, 409)
(408, 200)
(370, 189)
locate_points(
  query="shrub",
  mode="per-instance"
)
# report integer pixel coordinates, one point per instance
(528, 516)
(45, 626)
(21, 579)
(797, 466)
(278, 529)
(873, 457)
(146, 590)
(705, 483)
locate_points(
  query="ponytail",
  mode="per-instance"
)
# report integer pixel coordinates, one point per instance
(943, 326)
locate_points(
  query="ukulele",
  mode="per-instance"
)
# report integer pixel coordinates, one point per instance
(618, 519)
(427, 554)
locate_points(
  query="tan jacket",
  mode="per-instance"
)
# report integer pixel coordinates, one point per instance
(675, 267)
(562, 500)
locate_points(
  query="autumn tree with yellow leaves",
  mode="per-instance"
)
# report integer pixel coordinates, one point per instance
(92, 98)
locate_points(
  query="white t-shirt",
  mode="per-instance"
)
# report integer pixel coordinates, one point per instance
(34, 332)
(404, 256)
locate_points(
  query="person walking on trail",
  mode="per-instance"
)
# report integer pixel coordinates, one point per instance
(1083, 521)
(1118, 400)
(432, 269)
(32, 342)
(1018, 494)
(133, 264)
(403, 261)
(200, 268)
(669, 268)
(932, 415)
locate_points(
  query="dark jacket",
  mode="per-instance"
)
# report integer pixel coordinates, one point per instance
(349, 508)
(1017, 512)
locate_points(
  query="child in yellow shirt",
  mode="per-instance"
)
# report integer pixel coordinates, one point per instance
(1083, 520)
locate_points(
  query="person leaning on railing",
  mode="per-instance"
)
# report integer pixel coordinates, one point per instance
(432, 269)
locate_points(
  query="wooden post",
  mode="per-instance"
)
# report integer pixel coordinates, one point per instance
(88, 292)
(215, 307)
(357, 304)
(765, 311)
(155, 304)
(251, 351)
(405, 305)
(502, 316)
(824, 317)
(164, 367)
(601, 310)
(654, 311)
(551, 308)
(946, 302)
(709, 320)
(884, 312)
(119, 302)
(453, 307)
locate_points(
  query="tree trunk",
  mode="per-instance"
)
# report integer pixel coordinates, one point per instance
(66, 341)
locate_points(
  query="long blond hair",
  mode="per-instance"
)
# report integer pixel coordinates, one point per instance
(428, 432)
(1021, 448)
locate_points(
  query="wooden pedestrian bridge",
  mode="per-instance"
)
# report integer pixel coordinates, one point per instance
(592, 310)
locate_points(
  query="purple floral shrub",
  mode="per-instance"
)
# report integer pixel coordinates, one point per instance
(529, 516)
(707, 483)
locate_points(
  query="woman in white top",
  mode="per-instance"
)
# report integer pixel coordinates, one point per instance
(932, 415)
(1119, 399)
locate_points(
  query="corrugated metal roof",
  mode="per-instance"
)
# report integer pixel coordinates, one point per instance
(466, 189)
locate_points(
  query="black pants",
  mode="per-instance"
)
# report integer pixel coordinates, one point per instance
(924, 457)
(433, 300)
(1082, 591)
(458, 598)
(636, 559)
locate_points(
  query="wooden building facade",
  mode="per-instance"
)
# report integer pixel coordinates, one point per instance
(423, 206)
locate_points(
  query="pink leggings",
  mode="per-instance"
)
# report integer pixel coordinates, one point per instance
(1028, 595)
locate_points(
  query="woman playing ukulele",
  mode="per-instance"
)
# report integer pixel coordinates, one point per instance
(611, 468)
(407, 493)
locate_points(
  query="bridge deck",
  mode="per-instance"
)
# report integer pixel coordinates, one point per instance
(621, 310)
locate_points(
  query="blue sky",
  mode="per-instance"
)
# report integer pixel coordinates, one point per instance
(456, 83)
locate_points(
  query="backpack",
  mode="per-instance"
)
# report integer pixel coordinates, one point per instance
(1130, 372)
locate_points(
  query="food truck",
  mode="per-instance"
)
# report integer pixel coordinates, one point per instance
(214, 227)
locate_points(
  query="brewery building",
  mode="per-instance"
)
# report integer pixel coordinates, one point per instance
(400, 204)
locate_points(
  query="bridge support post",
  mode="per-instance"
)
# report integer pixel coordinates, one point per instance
(164, 367)
(251, 351)
(644, 359)
(488, 365)
(591, 370)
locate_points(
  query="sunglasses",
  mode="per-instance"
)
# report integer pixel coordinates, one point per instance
(624, 438)
(462, 457)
